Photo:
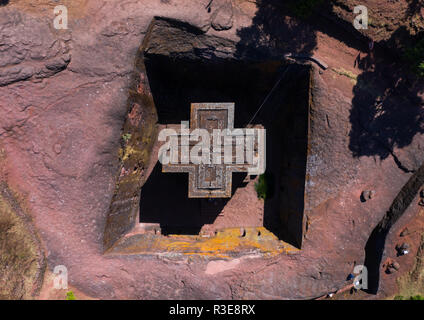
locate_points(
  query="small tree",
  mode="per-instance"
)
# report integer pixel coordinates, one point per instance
(261, 187)
(70, 295)
(264, 186)
(415, 57)
(304, 8)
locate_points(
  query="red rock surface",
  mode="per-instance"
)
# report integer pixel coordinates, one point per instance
(63, 103)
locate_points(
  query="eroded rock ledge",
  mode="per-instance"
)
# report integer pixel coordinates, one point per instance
(29, 48)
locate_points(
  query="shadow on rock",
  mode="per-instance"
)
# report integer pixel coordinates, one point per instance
(387, 110)
(414, 7)
(273, 28)
(273, 33)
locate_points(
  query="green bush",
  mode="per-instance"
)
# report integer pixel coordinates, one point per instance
(304, 8)
(263, 186)
(415, 57)
(126, 137)
(70, 295)
(417, 297)
(421, 69)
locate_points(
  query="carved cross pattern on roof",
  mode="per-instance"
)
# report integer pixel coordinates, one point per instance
(213, 178)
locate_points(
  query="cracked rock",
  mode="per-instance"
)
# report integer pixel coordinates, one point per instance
(404, 232)
(392, 267)
(367, 195)
(29, 48)
(402, 249)
(395, 265)
(222, 17)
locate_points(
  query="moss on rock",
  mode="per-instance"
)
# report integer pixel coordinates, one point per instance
(21, 260)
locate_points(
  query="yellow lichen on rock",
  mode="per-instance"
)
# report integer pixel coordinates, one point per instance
(226, 244)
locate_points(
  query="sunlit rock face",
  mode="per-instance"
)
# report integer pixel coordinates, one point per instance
(68, 96)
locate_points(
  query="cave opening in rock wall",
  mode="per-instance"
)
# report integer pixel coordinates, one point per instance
(177, 82)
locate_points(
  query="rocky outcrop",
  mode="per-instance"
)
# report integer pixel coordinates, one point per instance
(30, 49)
(22, 262)
(376, 243)
(222, 17)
